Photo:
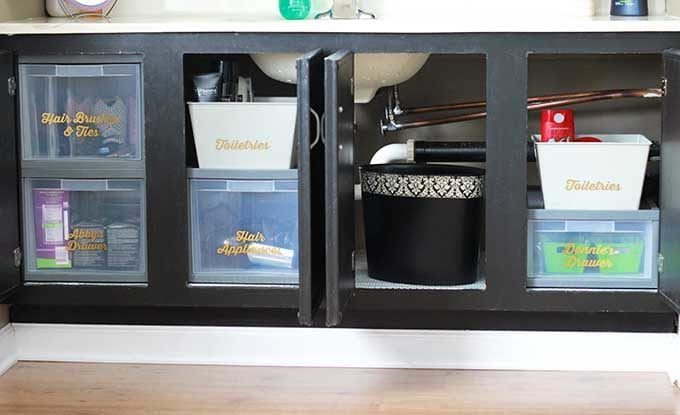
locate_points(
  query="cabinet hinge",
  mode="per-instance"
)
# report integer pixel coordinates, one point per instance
(659, 263)
(12, 86)
(664, 86)
(18, 256)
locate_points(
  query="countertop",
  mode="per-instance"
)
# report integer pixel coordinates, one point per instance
(273, 24)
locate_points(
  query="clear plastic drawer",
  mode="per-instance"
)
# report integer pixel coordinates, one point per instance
(244, 231)
(85, 230)
(81, 111)
(578, 249)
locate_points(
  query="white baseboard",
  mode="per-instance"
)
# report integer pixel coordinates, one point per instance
(674, 369)
(313, 347)
(8, 348)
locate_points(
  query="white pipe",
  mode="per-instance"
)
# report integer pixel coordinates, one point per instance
(391, 153)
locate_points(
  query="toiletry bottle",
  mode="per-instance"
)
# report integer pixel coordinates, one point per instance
(557, 125)
(629, 8)
(295, 9)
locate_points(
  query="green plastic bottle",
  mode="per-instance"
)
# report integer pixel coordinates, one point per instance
(295, 9)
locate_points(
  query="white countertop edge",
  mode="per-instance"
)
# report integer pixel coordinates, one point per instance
(600, 24)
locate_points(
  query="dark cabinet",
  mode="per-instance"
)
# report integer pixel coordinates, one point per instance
(310, 94)
(669, 266)
(503, 284)
(10, 276)
(340, 251)
(71, 159)
(333, 287)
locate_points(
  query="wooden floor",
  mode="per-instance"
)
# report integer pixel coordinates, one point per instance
(56, 389)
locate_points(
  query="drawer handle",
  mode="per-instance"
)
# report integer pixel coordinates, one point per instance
(251, 186)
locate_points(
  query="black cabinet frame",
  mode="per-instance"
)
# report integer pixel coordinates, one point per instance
(166, 177)
(506, 184)
(506, 211)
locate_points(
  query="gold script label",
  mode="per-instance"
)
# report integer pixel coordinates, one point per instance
(574, 185)
(77, 125)
(604, 253)
(241, 145)
(248, 245)
(84, 240)
(573, 262)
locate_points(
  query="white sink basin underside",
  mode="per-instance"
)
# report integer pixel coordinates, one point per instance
(372, 71)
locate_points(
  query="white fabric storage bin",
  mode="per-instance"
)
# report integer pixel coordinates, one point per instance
(244, 135)
(593, 176)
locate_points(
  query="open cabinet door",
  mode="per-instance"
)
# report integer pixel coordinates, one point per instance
(339, 146)
(669, 276)
(310, 93)
(10, 276)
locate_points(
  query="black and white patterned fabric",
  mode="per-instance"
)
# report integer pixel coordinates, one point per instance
(423, 186)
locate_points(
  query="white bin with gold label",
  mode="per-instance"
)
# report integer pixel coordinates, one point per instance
(594, 176)
(244, 135)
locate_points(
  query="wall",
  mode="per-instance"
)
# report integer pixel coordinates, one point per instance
(18, 9)
(380, 7)
(211, 7)
(673, 7)
(21, 9)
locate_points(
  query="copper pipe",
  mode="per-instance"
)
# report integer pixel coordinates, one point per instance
(443, 107)
(604, 96)
(582, 99)
(482, 104)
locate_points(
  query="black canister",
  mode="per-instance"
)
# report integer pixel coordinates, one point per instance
(423, 222)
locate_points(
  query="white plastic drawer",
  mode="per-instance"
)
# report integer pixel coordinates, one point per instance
(85, 230)
(81, 111)
(244, 231)
(578, 252)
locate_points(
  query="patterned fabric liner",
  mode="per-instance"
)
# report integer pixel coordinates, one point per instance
(423, 186)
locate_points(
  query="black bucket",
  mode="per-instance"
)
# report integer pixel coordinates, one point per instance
(423, 222)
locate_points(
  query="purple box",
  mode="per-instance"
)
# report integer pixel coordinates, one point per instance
(51, 213)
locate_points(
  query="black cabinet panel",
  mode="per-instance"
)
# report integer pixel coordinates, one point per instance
(310, 165)
(669, 278)
(10, 277)
(386, 319)
(154, 71)
(339, 183)
(327, 204)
